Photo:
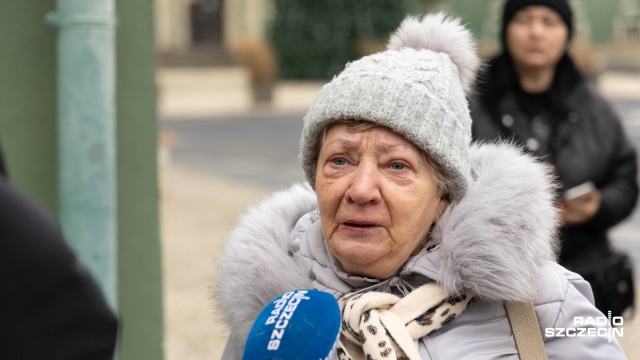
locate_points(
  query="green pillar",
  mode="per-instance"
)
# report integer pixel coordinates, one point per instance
(27, 94)
(28, 133)
(140, 277)
(86, 135)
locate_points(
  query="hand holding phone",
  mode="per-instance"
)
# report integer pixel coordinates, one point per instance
(579, 191)
(580, 204)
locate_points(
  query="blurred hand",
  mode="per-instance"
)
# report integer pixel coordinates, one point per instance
(581, 209)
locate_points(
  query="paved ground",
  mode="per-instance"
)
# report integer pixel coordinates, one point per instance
(197, 211)
(200, 204)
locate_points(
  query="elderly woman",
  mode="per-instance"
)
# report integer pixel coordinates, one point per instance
(409, 220)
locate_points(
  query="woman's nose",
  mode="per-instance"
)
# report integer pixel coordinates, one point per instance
(537, 28)
(365, 185)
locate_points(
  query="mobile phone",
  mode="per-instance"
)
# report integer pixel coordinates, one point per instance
(578, 191)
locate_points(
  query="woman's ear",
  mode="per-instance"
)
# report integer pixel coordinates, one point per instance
(442, 204)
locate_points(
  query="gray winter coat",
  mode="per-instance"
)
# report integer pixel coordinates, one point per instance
(497, 244)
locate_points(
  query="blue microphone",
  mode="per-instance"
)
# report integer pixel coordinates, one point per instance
(301, 324)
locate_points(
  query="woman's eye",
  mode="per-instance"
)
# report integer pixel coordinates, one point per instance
(551, 22)
(339, 161)
(521, 20)
(398, 166)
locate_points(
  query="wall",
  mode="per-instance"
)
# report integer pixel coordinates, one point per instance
(28, 133)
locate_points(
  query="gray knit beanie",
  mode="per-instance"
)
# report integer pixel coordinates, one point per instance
(416, 88)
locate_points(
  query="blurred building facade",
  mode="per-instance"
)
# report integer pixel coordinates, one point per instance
(193, 32)
(199, 32)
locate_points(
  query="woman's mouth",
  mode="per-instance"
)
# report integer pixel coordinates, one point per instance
(358, 227)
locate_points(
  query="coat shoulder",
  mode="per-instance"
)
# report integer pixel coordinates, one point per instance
(557, 286)
(256, 263)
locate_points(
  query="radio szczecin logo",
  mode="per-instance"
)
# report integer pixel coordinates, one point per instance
(588, 326)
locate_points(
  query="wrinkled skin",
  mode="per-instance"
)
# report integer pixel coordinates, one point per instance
(377, 199)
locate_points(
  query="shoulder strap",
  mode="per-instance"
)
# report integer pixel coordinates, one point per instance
(526, 330)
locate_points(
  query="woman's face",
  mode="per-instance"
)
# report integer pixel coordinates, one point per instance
(536, 37)
(377, 199)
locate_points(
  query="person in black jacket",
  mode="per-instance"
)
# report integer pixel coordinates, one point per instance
(533, 94)
(50, 307)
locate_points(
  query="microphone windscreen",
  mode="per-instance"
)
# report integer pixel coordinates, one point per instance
(301, 324)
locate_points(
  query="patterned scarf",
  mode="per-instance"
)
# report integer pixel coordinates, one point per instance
(384, 326)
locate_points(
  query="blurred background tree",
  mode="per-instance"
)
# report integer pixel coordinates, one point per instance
(315, 39)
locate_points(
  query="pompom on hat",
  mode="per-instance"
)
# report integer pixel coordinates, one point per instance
(416, 88)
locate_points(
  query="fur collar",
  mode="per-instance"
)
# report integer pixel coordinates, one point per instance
(493, 242)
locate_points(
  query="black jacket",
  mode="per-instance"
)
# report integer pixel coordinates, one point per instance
(50, 307)
(588, 144)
